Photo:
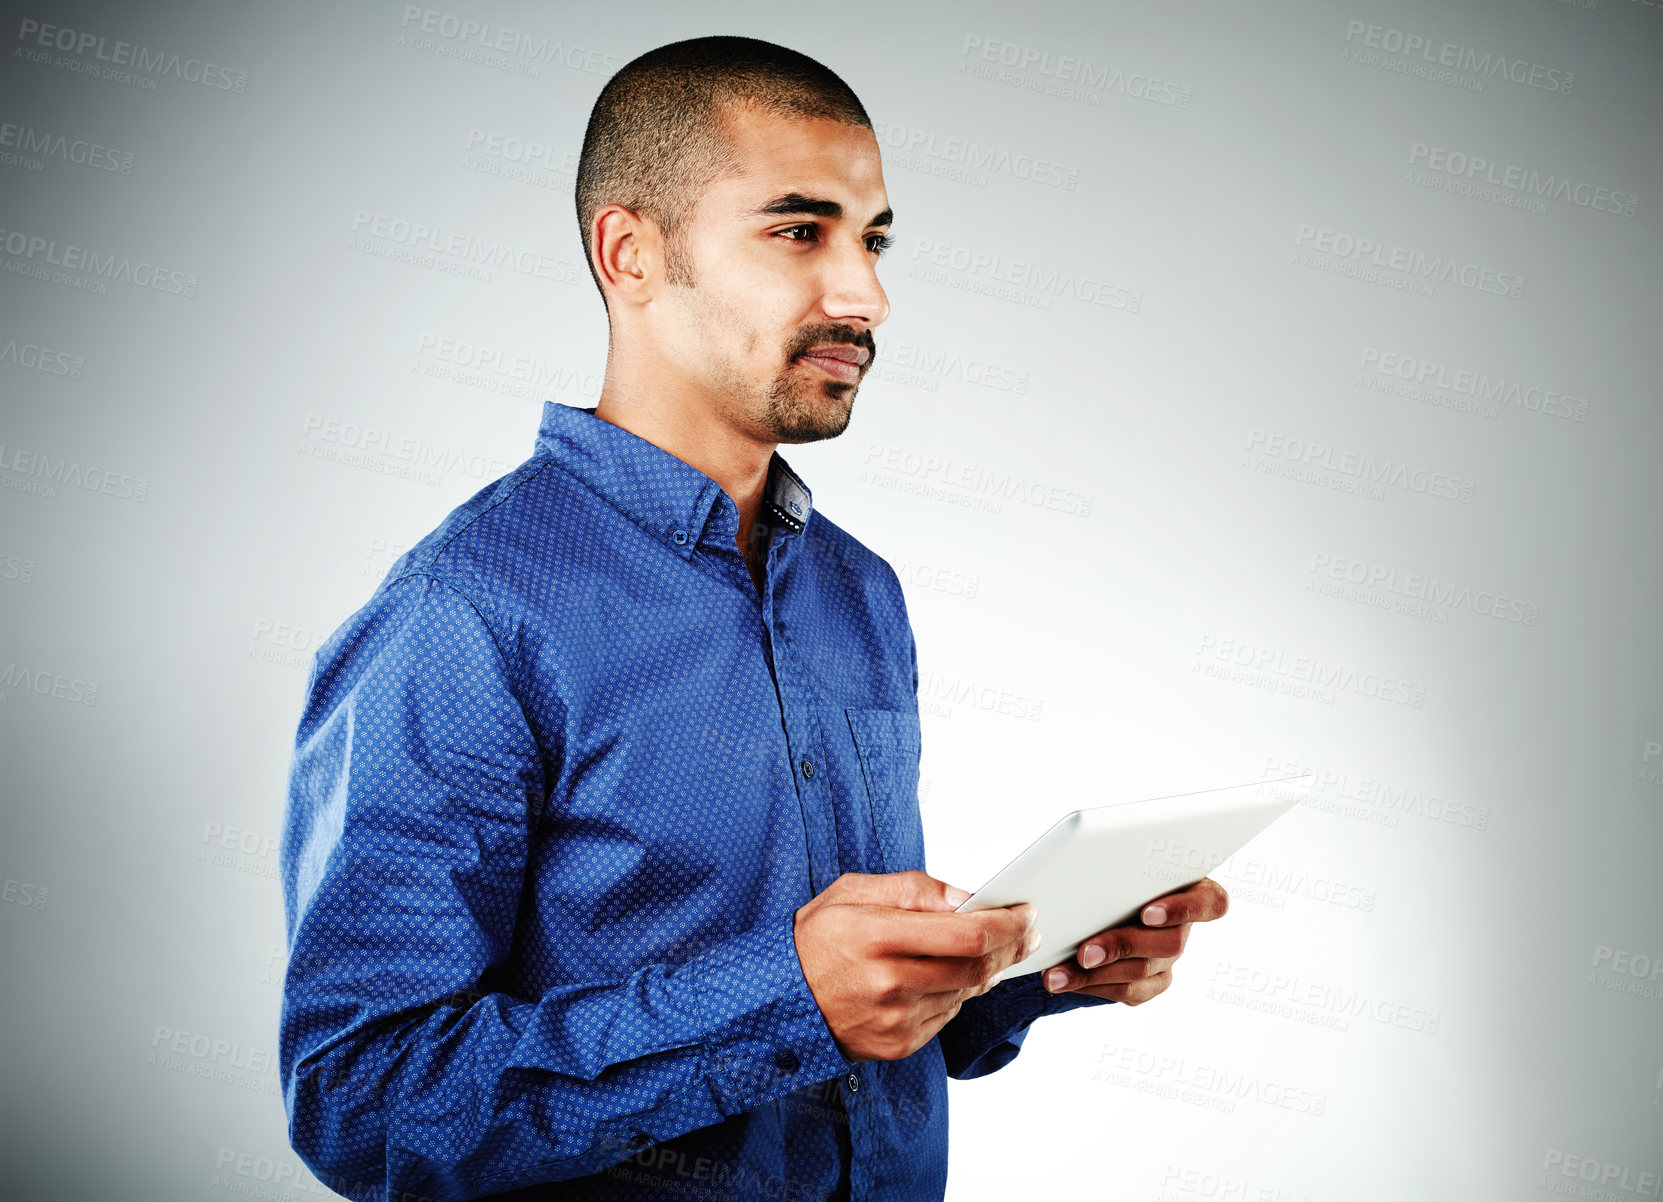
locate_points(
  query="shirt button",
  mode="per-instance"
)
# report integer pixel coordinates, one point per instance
(680, 537)
(808, 768)
(787, 1060)
(639, 1140)
(854, 1083)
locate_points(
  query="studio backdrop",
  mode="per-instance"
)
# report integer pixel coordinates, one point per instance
(1266, 387)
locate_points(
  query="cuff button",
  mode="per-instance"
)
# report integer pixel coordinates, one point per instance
(787, 1060)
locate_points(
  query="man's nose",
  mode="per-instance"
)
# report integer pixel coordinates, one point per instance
(853, 292)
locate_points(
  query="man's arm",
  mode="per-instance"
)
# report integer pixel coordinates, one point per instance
(414, 784)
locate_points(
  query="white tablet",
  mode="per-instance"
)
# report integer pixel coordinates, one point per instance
(1097, 868)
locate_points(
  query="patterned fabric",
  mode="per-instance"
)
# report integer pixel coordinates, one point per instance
(557, 791)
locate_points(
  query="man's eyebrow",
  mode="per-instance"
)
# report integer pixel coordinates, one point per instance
(795, 202)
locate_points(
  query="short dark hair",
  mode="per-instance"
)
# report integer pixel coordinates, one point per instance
(656, 138)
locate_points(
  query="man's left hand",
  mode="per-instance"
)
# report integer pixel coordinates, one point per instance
(1133, 963)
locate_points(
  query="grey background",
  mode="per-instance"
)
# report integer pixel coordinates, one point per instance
(1441, 981)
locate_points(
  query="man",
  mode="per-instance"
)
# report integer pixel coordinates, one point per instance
(603, 866)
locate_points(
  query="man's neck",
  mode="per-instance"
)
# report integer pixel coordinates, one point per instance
(735, 461)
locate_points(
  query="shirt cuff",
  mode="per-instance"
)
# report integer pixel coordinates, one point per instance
(762, 1028)
(1027, 998)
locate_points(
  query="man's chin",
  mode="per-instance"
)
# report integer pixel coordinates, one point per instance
(812, 422)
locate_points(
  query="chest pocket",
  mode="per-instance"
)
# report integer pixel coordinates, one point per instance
(889, 743)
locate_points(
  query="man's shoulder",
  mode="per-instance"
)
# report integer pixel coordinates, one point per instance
(494, 535)
(831, 546)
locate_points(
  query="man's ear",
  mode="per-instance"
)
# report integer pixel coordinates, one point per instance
(629, 254)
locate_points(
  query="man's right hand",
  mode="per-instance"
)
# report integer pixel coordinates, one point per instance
(889, 962)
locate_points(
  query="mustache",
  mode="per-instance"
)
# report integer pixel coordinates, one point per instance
(834, 334)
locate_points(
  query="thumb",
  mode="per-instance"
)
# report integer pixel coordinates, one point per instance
(921, 891)
(910, 890)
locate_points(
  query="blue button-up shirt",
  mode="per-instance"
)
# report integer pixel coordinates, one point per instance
(558, 790)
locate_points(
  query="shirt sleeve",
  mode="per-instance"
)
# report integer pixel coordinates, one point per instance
(413, 787)
(987, 1032)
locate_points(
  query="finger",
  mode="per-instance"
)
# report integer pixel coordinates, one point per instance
(1135, 993)
(969, 935)
(926, 975)
(1118, 973)
(1201, 902)
(1129, 943)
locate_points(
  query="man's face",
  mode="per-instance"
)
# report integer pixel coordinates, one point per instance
(782, 260)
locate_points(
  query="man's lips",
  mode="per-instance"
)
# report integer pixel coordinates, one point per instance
(843, 361)
(847, 351)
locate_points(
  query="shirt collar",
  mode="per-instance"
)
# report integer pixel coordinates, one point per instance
(666, 497)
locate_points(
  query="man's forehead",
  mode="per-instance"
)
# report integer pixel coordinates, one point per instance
(785, 165)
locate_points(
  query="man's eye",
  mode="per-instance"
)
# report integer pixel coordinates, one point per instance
(877, 243)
